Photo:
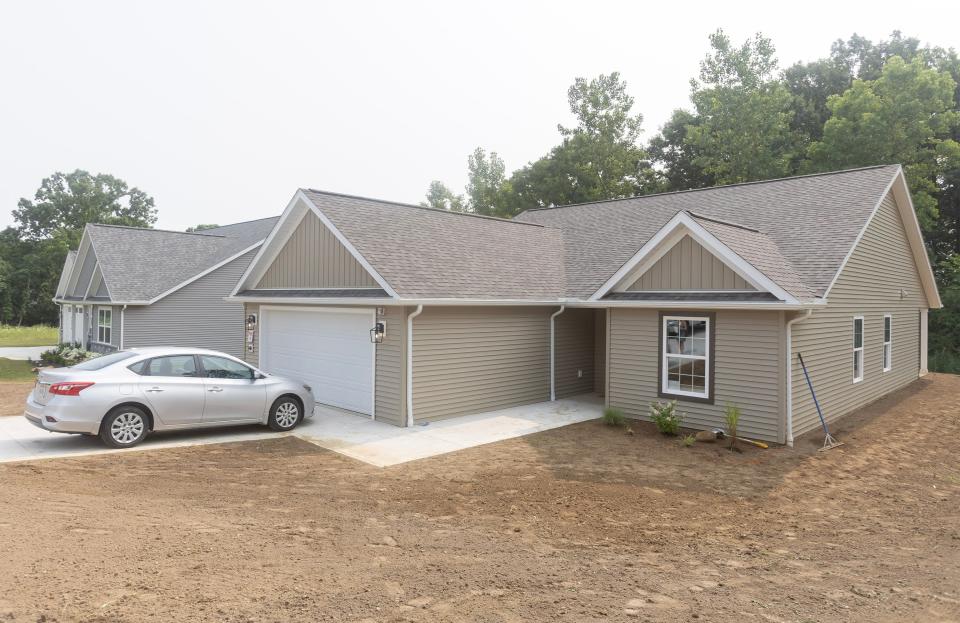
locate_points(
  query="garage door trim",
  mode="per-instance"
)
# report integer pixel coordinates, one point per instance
(370, 311)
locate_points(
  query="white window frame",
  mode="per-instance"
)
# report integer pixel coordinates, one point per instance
(887, 343)
(665, 389)
(858, 350)
(104, 325)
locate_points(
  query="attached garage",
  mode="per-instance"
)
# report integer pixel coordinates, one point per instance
(327, 348)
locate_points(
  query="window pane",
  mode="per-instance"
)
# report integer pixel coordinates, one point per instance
(857, 333)
(695, 346)
(673, 345)
(857, 364)
(221, 368)
(886, 329)
(673, 327)
(174, 365)
(102, 362)
(699, 384)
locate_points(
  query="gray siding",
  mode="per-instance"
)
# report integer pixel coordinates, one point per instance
(474, 359)
(600, 353)
(85, 274)
(313, 258)
(688, 266)
(869, 286)
(575, 364)
(747, 369)
(196, 315)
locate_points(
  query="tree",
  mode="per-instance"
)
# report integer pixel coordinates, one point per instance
(439, 197)
(201, 227)
(486, 181)
(678, 158)
(905, 116)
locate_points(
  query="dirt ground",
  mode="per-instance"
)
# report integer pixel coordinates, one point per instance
(12, 395)
(583, 523)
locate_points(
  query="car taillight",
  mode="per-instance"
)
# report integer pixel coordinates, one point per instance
(68, 389)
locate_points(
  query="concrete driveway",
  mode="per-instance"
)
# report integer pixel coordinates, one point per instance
(23, 353)
(358, 437)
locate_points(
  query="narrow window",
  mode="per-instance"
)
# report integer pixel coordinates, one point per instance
(104, 325)
(857, 349)
(686, 356)
(887, 342)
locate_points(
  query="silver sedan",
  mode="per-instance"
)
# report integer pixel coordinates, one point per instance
(125, 395)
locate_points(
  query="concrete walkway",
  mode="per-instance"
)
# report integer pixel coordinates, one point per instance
(352, 435)
(23, 353)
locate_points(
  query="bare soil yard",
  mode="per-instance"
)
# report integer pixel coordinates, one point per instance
(583, 523)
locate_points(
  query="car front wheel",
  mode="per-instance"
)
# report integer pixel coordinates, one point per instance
(284, 414)
(124, 427)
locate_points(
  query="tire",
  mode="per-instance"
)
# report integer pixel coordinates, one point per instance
(124, 427)
(285, 414)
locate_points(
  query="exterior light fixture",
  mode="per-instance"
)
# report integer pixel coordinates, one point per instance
(378, 331)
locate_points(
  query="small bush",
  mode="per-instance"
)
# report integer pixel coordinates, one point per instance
(613, 417)
(666, 417)
(66, 355)
(732, 417)
(688, 441)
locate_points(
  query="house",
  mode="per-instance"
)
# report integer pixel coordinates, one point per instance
(126, 287)
(411, 315)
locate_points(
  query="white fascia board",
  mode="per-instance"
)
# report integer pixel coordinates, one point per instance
(289, 300)
(661, 242)
(66, 273)
(206, 272)
(911, 226)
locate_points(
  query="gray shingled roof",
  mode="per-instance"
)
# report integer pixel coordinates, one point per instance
(428, 253)
(139, 264)
(808, 225)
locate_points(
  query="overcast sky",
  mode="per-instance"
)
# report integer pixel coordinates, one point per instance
(221, 110)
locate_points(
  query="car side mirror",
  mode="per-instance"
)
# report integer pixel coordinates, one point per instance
(259, 376)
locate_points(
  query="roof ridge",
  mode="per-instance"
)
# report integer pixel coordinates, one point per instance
(253, 220)
(706, 188)
(721, 222)
(420, 207)
(165, 231)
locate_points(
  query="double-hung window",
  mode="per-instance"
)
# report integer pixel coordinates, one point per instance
(857, 349)
(104, 325)
(887, 342)
(685, 356)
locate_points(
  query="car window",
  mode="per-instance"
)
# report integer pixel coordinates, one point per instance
(99, 363)
(138, 367)
(223, 368)
(173, 365)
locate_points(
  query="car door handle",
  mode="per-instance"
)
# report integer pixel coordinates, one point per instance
(154, 389)
(215, 389)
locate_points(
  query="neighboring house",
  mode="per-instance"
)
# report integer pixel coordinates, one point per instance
(126, 287)
(703, 296)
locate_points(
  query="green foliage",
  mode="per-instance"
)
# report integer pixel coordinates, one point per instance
(36, 335)
(439, 197)
(688, 441)
(66, 355)
(486, 184)
(201, 227)
(16, 371)
(732, 419)
(944, 361)
(613, 417)
(666, 417)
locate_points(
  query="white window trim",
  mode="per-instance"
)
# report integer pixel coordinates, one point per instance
(857, 379)
(101, 327)
(887, 344)
(664, 370)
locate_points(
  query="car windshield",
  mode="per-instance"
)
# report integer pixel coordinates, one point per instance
(100, 363)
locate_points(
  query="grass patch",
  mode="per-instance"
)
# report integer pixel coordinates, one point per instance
(944, 361)
(17, 371)
(613, 417)
(38, 335)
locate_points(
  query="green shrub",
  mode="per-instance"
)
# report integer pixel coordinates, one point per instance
(66, 355)
(666, 417)
(732, 417)
(688, 441)
(944, 361)
(613, 417)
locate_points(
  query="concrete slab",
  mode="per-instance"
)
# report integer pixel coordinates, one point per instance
(355, 436)
(23, 353)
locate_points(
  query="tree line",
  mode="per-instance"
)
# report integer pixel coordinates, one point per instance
(865, 103)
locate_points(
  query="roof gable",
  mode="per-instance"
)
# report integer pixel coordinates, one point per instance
(687, 265)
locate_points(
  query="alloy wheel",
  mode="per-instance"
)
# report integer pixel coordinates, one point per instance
(126, 428)
(287, 414)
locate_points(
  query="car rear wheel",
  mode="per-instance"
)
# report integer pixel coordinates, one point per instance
(124, 427)
(285, 414)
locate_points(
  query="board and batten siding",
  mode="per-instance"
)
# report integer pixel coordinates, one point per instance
(870, 286)
(574, 335)
(475, 359)
(688, 266)
(194, 316)
(389, 402)
(748, 369)
(313, 258)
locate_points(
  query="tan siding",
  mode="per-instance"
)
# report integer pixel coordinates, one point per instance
(600, 352)
(688, 266)
(314, 258)
(869, 286)
(574, 340)
(475, 359)
(747, 370)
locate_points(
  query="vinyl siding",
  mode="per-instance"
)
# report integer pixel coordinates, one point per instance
(869, 286)
(389, 401)
(101, 287)
(85, 274)
(600, 352)
(474, 359)
(574, 340)
(195, 315)
(313, 258)
(747, 369)
(688, 266)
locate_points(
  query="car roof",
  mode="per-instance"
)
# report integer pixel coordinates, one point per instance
(176, 350)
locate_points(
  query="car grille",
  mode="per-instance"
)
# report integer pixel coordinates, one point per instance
(41, 393)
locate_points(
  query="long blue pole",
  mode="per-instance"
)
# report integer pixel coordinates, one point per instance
(813, 393)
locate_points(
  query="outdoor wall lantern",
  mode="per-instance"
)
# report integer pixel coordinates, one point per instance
(378, 331)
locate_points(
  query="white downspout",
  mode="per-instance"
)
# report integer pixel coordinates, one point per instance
(553, 380)
(410, 318)
(122, 309)
(790, 374)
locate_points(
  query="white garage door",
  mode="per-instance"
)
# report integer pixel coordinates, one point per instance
(330, 350)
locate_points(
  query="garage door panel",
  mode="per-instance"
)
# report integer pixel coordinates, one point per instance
(330, 351)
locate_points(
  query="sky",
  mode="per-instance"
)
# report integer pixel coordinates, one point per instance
(221, 110)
